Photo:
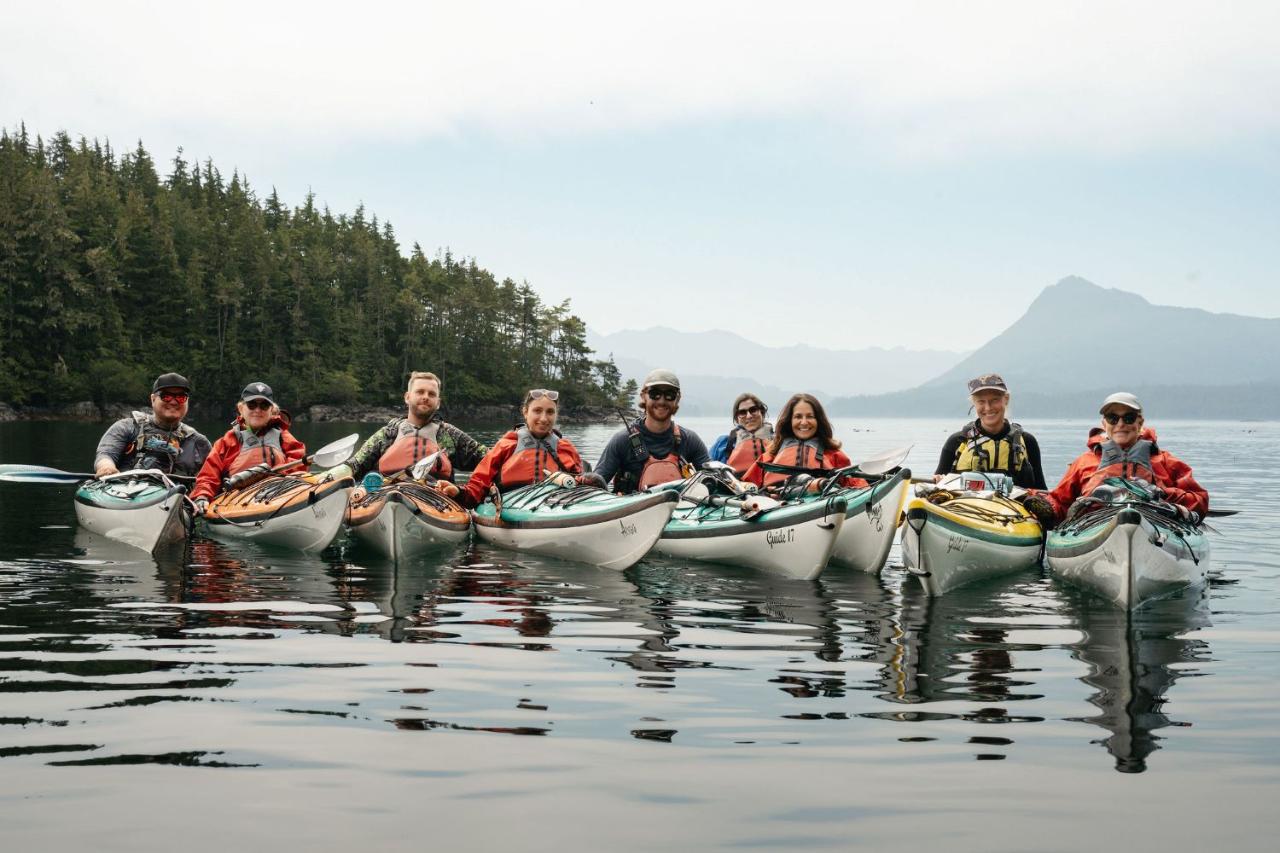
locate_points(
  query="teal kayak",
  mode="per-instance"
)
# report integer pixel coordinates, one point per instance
(141, 508)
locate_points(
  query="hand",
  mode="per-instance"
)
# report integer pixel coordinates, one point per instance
(446, 488)
(200, 506)
(593, 479)
(1189, 516)
(1040, 506)
(816, 486)
(105, 467)
(937, 478)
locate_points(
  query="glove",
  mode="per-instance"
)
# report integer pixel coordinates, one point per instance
(563, 480)
(200, 506)
(1041, 508)
(594, 480)
(1189, 516)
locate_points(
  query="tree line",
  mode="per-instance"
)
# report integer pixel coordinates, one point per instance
(111, 274)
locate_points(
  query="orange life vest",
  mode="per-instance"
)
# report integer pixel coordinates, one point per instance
(1131, 464)
(532, 456)
(795, 453)
(255, 449)
(411, 444)
(747, 449)
(662, 469)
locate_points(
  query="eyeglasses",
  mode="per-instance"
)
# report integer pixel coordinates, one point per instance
(173, 396)
(544, 392)
(257, 404)
(742, 413)
(668, 394)
(1128, 417)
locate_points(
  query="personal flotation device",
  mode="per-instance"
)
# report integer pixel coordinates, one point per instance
(532, 455)
(981, 452)
(795, 453)
(411, 444)
(1132, 463)
(265, 448)
(656, 469)
(154, 447)
(745, 447)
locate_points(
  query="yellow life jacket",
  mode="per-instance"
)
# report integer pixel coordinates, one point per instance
(980, 452)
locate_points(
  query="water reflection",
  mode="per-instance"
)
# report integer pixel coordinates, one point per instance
(1134, 658)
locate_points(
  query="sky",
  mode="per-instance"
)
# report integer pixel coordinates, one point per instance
(839, 174)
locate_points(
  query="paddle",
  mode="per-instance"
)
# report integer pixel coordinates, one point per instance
(333, 453)
(751, 503)
(40, 475)
(874, 466)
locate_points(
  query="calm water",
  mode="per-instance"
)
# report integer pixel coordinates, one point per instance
(231, 695)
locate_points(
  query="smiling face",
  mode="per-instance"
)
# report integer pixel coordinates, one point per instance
(804, 422)
(657, 407)
(169, 411)
(1123, 434)
(256, 413)
(750, 415)
(990, 406)
(540, 416)
(422, 399)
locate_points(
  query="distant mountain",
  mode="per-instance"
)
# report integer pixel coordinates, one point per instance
(1078, 341)
(716, 366)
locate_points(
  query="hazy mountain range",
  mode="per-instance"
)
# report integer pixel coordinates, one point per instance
(1076, 343)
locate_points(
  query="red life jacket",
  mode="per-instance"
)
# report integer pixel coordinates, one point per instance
(795, 453)
(411, 444)
(255, 449)
(748, 448)
(532, 456)
(663, 469)
(1131, 464)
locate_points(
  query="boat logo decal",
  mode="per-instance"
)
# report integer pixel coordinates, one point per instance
(956, 543)
(627, 529)
(780, 537)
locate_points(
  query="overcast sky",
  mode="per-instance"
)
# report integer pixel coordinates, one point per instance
(843, 174)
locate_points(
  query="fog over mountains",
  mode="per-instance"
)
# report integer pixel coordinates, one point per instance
(1076, 343)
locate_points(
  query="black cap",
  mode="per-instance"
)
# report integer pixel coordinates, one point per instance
(257, 391)
(171, 380)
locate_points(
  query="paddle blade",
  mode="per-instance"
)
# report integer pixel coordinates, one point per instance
(44, 477)
(336, 452)
(886, 461)
(423, 466)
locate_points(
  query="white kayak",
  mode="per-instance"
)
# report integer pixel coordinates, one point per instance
(870, 521)
(142, 508)
(404, 520)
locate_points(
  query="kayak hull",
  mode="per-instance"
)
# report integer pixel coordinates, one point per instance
(1129, 557)
(967, 539)
(141, 510)
(795, 540)
(870, 522)
(401, 522)
(298, 513)
(595, 527)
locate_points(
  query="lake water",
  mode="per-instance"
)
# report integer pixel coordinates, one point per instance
(236, 696)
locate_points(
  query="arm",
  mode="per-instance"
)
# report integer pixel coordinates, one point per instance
(611, 458)
(1068, 488)
(467, 452)
(569, 457)
(720, 450)
(694, 450)
(1037, 480)
(1183, 489)
(209, 480)
(292, 447)
(840, 459)
(110, 451)
(755, 474)
(366, 458)
(482, 477)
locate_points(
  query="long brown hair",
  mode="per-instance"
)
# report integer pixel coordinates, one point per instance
(782, 426)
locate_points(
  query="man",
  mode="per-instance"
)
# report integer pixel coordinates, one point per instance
(157, 439)
(652, 449)
(421, 432)
(1125, 448)
(992, 442)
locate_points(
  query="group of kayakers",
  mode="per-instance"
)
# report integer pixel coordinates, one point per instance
(788, 456)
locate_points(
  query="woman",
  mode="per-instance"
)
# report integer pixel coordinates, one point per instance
(259, 439)
(804, 442)
(748, 439)
(992, 443)
(525, 455)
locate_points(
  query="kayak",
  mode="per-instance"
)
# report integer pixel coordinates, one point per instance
(402, 520)
(953, 535)
(870, 520)
(1129, 552)
(288, 511)
(584, 524)
(793, 539)
(143, 508)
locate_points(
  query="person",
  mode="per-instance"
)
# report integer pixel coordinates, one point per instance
(803, 441)
(157, 439)
(259, 440)
(397, 446)
(529, 453)
(992, 442)
(652, 449)
(751, 434)
(1124, 447)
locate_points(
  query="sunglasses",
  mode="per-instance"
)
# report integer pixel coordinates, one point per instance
(257, 404)
(668, 394)
(742, 413)
(1128, 417)
(544, 392)
(172, 397)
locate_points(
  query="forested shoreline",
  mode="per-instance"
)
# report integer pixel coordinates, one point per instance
(111, 273)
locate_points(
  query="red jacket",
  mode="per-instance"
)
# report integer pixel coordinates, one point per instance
(830, 459)
(1172, 474)
(226, 449)
(486, 472)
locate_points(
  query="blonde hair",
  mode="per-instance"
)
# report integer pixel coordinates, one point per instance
(422, 374)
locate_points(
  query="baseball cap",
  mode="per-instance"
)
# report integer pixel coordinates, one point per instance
(1121, 398)
(661, 376)
(987, 382)
(171, 380)
(257, 391)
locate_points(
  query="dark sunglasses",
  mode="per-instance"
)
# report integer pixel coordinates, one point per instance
(171, 397)
(668, 394)
(544, 392)
(1128, 417)
(742, 413)
(257, 404)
